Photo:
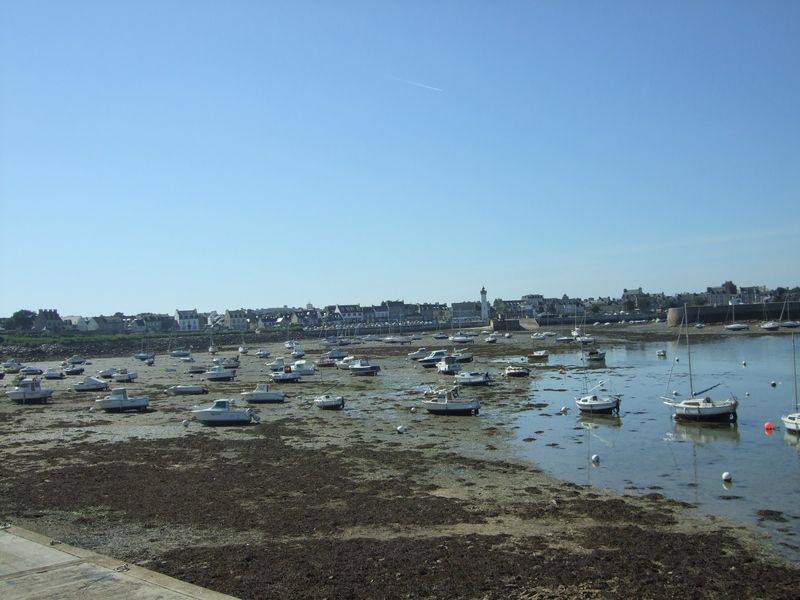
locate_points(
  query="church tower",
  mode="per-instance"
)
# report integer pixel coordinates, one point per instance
(484, 305)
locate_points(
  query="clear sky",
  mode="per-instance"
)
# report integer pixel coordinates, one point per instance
(176, 154)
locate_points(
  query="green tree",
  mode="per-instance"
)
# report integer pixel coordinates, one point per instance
(699, 301)
(670, 303)
(730, 287)
(499, 306)
(21, 320)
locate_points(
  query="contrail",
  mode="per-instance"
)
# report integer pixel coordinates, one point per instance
(427, 87)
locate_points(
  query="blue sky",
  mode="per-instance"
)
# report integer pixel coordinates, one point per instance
(213, 155)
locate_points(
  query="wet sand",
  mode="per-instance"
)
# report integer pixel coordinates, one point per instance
(319, 504)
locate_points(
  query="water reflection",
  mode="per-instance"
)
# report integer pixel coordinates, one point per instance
(707, 432)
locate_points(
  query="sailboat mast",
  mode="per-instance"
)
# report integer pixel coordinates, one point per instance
(688, 351)
(794, 368)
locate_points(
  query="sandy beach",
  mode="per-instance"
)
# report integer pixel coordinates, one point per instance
(328, 504)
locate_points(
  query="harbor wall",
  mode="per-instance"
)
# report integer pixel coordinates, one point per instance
(710, 315)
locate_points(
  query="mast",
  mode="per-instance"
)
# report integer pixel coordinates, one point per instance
(794, 368)
(688, 352)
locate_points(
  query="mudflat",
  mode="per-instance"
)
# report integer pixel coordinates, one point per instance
(338, 504)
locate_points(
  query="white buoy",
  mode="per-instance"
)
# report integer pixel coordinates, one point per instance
(413, 409)
(744, 363)
(595, 458)
(401, 429)
(91, 409)
(747, 394)
(773, 384)
(674, 393)
(185, 423)
(727, 476)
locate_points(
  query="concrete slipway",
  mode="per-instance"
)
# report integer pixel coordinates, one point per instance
(34, 567)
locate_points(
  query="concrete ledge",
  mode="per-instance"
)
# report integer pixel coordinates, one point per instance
(35, 567)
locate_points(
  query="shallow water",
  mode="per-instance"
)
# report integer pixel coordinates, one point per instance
(645, 450)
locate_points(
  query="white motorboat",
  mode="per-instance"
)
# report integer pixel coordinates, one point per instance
(473, 378)
(517, 371)
(598, 405)
(90, 384)
(661, 353)
(302, 367)
(29, 391)
(330, 402)
(124, 376)
(12, 366)
(76, 360)
(290, 344)
(434, 357)
(462, 355)
(119, 401)
(30, 371)
(539, 336)
(440, 336)
(421, 353)
(507, 335)
(243, 349)
(335, 354)
(180, 352)
(595, 356)
(73, 370)
(262, 353)
(462, 338)
(285, 376)
(54, 374)
(107, 373)
(220, 373)
(792, 421)
(222, 412)
(448, 366)
(539, 355)
(698, 407)
(196, 369)
(397, 339)
(277, 365)
(362, 367)
(585, 339)
(298, 353)
(324, 361)
(490, 339)
(186, 390)
(450, 404)
(227, 362)
(262, 395)
(346, 362)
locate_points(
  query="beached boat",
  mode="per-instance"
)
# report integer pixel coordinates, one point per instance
(698, 407)
(54, 374)
(90, 384)
(73, 370)
(330, 402)
(285, 376)
(517, 371)
(416, 355)
(490, 339)
(461, 338)
(450, 404)
(302, 367)
(539, 355)
(30, 371)
(324, 361)
(733, 325)
(186, 390)
(434, 357)
(792, 421)
(262, 353)
(76, 360)
(473, 378)
(29, 391)
(539, 336)
(124, 376)
(462, 355)
(362, 367)
(180, 352)
(661, 353)
(119, 401)
(262, 395)
(107, 373)
(222, 412)
(220, 373)
(448, 366)
(228, 362)
(278, 364)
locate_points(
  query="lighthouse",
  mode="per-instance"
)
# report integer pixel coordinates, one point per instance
(484, 305)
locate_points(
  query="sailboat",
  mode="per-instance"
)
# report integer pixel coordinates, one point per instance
(592, 403)
(792, 421)
(699, 407)
(788, 323)
(212, 348)
(243, 349)
(734, 326)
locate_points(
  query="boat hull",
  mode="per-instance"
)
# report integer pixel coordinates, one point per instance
(467, 408)
(330, 402)
(705, 411)
(592, 405)
(114, 405)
